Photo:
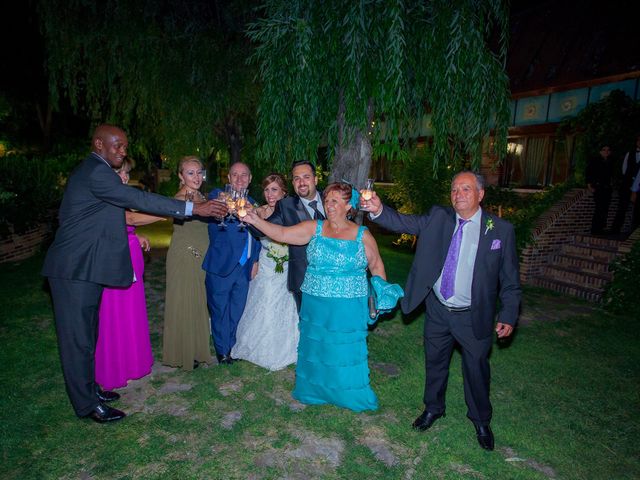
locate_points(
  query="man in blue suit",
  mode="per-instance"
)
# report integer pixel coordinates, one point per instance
(465, 261)
(230, 264)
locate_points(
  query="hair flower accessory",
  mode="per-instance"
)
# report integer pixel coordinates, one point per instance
(355, 198)
(489, 225)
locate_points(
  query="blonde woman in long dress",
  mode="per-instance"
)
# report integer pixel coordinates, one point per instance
(186, 335)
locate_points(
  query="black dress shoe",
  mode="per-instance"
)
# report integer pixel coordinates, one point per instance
(103, 413)
(426, 419)
(224, 359)
(106, 395)
(485, 436)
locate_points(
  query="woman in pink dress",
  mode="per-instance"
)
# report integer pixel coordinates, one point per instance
(123, 350)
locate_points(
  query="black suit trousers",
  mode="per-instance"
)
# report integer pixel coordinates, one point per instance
(75, 305)
(442, 330)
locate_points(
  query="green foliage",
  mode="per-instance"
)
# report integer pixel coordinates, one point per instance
(614, 120)
(524, 211)
(622, 294)
(173, 75)
(30, 187)
(322, 63)
(170, 187)
(416, 189)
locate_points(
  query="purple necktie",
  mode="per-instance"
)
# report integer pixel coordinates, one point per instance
(447, 285)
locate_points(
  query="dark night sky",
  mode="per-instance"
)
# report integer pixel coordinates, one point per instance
(22, 49)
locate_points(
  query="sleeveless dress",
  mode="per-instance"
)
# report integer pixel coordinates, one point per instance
(123, 350)
(332, 352)
(186, 332)
(267, 333)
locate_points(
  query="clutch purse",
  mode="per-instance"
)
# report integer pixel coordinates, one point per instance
(383, 297)
(373, 303)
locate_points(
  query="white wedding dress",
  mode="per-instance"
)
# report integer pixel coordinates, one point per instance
(268, 333)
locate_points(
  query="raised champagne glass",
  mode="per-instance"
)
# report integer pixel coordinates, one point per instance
(230, 199)
(241, 206)
(222, 197)
(367, 192)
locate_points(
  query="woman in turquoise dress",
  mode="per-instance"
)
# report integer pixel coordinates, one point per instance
(332, 365)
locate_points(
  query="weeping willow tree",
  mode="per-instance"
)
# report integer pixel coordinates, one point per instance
(360, 75)
(172, 74)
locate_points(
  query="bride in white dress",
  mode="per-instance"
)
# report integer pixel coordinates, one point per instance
(268, 333)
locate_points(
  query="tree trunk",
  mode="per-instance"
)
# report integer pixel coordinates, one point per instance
(353, 161)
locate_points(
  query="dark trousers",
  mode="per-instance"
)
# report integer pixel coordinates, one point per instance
(602, 199)
(226, 299)
(443, 329)
(75, 305)
(621, 213)
(297, 296)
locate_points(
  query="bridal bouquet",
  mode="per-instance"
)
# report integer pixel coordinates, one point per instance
(279, 253)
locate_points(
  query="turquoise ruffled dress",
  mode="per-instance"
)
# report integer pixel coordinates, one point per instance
(332, 353)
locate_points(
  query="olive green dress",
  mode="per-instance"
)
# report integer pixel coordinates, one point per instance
(186, 317)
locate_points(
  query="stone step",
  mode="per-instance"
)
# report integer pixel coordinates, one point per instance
(584, 264)
(590, 240)
(566, 288)
(589, 253)
(577, 277)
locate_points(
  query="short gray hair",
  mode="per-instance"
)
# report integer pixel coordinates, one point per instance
(479, 178)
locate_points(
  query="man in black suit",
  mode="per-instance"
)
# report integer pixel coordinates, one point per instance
(305, 205)
(91, 251)
(465, 260)
(628, 184)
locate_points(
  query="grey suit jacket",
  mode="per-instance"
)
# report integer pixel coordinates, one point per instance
(495, 274)
(91, 241)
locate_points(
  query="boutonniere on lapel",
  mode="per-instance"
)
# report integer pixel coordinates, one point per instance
(489, 225)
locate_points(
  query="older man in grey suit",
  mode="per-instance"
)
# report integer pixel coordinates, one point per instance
(465, 260)
(90, 251)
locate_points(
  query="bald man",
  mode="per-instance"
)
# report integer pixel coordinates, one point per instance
(91, 251)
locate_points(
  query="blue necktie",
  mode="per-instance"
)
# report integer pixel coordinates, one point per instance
(245, 252)
(447, 285)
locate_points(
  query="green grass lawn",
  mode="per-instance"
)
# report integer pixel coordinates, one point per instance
(565, 395)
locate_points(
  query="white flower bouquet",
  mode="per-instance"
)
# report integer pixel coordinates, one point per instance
(279, 253)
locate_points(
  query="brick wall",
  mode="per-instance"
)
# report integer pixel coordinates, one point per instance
(569, 217)
(18, 247)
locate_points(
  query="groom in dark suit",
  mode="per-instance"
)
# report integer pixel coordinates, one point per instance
(305, 205)
(230, 264)
(465, 260)
(90, 251)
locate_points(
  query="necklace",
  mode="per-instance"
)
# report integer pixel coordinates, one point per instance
(194, 195)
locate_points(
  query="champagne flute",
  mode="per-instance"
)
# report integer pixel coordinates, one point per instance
(222, 197)
(241, 204)
(367, 192)
(230, 199)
